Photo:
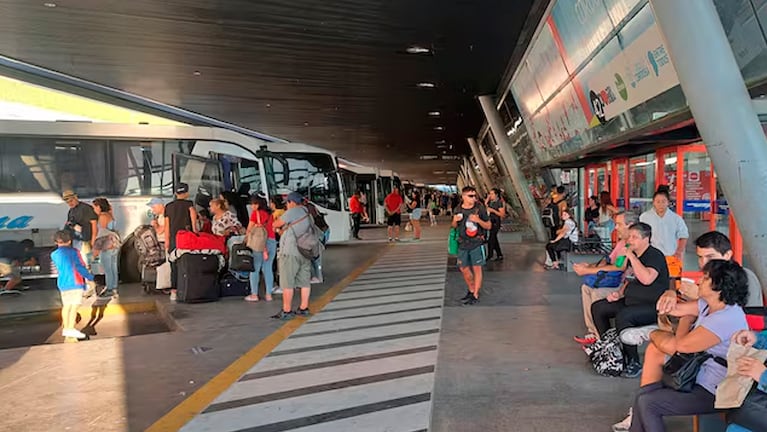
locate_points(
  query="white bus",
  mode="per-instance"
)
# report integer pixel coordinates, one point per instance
(313, 172)
(355, 176)
(127, 164)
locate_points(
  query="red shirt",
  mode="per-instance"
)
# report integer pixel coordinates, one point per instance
(266, 220)
(355, 205)
(393, 202)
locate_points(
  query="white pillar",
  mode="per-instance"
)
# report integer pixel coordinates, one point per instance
(723, 112)
(512, 164)
(472, 174)
(479, 157)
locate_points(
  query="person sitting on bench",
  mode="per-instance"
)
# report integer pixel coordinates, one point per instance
(566, 237)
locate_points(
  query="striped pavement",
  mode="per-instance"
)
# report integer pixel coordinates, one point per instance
(364, 363)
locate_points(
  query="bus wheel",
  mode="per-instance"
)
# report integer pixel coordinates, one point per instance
(129, 263)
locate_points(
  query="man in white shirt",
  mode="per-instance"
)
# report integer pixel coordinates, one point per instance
(669, 232)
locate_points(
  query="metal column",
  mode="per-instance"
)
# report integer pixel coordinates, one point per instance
(512, 164)
(503, 171)
(723, 112)
(479, 157)
(472, 174)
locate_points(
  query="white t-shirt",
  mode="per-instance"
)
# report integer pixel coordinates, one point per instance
(666, 230)
(571, 230)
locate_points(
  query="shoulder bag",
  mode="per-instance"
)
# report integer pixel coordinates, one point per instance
(256, 239)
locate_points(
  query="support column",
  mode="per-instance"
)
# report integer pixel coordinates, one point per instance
(459, 183)
(472, 174)
(723, 112)
(479, 157)
(503, 171)
(512, 164)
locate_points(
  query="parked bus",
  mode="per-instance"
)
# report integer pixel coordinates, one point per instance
(128, 164)
(314, 173)
(358, 177)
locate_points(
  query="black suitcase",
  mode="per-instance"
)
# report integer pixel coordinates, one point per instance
(233, 287)
(197, 278)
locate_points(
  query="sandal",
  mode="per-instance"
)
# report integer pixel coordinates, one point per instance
(251, 298)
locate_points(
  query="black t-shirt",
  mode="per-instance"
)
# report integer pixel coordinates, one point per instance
(13, 251)
(495, 205)
(82, 214)
(178, 213)
(470, 234)
(592, 215)
(638, 293)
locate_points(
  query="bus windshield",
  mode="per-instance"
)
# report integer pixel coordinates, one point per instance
(313, 175)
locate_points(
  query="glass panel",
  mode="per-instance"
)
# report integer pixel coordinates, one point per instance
(313, 175)
(697, 201)
(621, 202)
(603, 180)
(669, 176)
(745, 35)
(722, 213)
(250, 173)
(641, 183)
(203, 176)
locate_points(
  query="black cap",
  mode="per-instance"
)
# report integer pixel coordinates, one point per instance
(182, 188)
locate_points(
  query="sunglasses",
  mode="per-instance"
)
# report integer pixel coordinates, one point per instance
(471, 196)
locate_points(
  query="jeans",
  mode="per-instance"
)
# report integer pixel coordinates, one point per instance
(265, 266)
(109, 259)
(493, 244)
(653, 402)
(356, 221)
(625, 317)
(555, 249)
(589, 296)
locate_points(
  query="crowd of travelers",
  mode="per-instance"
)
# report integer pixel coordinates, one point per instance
(636, 296)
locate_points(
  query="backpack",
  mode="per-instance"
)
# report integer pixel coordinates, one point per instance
(256, 239)
(550, 216)
(147, 245)
(308, 242)
(241, 258)
(606, 355)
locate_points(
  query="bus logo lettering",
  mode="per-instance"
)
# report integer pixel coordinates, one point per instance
(20, 222)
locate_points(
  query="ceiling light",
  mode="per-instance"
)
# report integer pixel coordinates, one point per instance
(440, 141)
(438, 128)
(197, 73)
(49, 5)
(426, 84)
(434, 113)
(415, 49)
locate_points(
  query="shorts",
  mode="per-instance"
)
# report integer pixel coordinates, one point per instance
(73, 297)
(394, 220)
(472, 257)
(416, 215)
(295, 272)
(8, 269)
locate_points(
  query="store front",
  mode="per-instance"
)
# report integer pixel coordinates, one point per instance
(693, 185)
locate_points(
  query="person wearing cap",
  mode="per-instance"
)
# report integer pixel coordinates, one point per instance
(180, 214)
(81, 222)
(295, 269)
(157, 208)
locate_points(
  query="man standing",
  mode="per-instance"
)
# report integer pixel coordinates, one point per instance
(81, 223)
(295, 269)
(472, 221)
(180, 214)
(496, 207)
(157, 207)
(393, 207)
(669, 232)
(358, 211)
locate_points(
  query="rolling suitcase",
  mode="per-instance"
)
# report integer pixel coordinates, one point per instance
(233, 287)
(197, 278)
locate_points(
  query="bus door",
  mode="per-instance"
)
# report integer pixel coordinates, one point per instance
(205, 177)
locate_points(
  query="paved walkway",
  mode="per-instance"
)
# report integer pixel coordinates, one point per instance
(364, 363)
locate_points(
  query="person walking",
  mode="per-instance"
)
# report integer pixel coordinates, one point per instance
(415, 214)
(471, 220)
(180, 214)
(496, 207)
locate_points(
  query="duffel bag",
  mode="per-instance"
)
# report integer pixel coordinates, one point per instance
(188, 240)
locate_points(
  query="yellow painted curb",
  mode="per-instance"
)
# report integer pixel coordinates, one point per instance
(205, 395)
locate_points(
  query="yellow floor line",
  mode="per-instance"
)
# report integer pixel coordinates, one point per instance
(205, 395)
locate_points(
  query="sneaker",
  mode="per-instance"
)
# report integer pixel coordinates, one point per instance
(586, 339)
(277, 291)
(315, 280)
(637, 335)
(625, 424)
(251, 298)
(173, 296)
(468, 295)
(471, 301)
(284, 316)
(302, 312)
(390, 239)
(499, 258)
(73, 333)
(633, 370)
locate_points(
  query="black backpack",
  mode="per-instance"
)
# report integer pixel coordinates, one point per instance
(550, 216)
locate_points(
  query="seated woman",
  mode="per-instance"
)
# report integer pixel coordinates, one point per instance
(723, 290)
(751, 368)
(635, 304)
(566, 236)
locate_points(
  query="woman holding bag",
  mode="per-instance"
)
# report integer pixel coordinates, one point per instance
(754, 409)
(261, 225)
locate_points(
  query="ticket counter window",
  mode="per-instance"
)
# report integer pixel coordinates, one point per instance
(641, 183)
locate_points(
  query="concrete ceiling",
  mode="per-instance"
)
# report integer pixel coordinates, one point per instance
(335, 74)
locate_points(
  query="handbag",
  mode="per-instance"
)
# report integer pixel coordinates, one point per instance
(604, 279)
(256, 239)
(752, 415)
(241, 258)
(452, 242)
(681, 370)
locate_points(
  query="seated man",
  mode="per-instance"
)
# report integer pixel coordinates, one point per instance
(635, 304)
(616, 261)
(13, 255)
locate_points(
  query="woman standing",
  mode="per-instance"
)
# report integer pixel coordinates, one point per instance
(225, 223)
(263, 260)
(415, 214)
(106, 245)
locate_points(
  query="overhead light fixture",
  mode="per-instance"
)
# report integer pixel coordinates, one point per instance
(415, 49)
(49, 5)
(440, 141)
(426, 84)
(438, 128)
(196, 73)
(434, 113)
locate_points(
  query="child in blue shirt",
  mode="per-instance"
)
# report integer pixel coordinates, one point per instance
(71, 281)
